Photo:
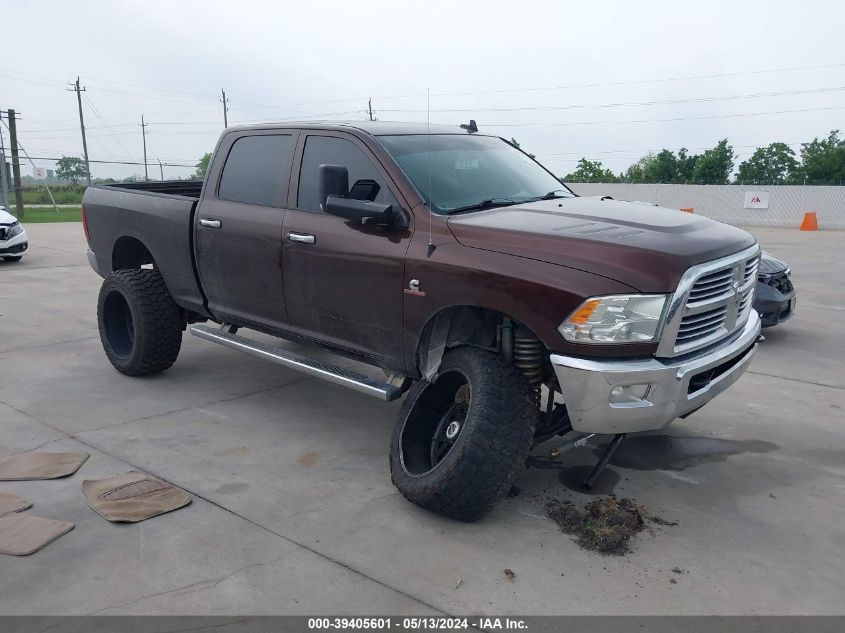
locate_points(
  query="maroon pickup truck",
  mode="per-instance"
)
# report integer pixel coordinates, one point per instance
(506, 309)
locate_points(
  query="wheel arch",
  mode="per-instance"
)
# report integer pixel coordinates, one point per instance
(458, 325)
(129, 252)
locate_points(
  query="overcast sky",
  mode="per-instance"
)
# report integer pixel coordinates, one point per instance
(283, 60)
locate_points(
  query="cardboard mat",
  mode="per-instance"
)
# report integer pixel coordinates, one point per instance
(33, 465)
(133, 497)
(10, 502)
(22, 534)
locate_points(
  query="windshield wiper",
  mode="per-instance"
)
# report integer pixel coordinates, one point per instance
(486, 204)
(552, 195)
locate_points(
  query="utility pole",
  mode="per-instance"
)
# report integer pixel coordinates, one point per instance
(4, 183)
(161, 169)
(370, 109)
(75, 88)
(144, 136)
(16, 164)
(225, 109)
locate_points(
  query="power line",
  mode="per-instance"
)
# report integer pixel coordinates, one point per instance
(141, 90)
(568, 86)
(783, 93)
(115, 136)
(112, 162)
(641, 81)
(694, 118)
(16, 166)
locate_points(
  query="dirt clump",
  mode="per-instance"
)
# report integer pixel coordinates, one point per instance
(603, 525)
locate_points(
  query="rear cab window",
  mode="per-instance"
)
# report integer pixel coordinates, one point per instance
(257, 169)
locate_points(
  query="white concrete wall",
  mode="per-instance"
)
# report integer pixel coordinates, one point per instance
(787, 203)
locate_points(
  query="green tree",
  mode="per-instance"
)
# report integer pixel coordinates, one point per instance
(202, 167)
(589, 171)
(663, 167)
(715, 165)
(686, 165)
(636, 172)
(660, 167)
(774, 163)
(70, 168)
(823, 160)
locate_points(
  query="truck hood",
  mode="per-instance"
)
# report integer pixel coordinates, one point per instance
(6, 217)
(641, 245)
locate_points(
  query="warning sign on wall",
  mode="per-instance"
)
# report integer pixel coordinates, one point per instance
(756, 200)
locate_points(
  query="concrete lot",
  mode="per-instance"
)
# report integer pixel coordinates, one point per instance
(294, 511)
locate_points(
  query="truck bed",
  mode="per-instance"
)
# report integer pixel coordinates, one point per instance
(159, 215)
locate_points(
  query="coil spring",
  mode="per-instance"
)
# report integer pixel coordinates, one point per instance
(528, 356)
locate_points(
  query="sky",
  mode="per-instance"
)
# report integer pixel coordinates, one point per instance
(608, 80)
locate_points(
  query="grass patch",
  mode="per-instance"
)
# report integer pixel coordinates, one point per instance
(37, 215)
(63, 194)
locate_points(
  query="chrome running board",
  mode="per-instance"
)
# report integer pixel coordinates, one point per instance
(316, 368)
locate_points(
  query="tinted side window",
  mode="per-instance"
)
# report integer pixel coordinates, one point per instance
(257, 170)
(330, 150)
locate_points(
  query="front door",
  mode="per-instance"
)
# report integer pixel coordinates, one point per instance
(344, 281)
(239, 228)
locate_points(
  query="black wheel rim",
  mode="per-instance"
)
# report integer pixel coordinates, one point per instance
(435, 424)
(118, 325)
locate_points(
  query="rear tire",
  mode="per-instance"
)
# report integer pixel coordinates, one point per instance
(486, 406)
(13, 258)
(140, 325)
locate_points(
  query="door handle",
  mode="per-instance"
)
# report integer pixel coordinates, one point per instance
(304, 238)
(212, 224)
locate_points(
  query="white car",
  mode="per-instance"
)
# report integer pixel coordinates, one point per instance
(13, 240)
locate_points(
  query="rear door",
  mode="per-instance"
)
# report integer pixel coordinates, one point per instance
(343, 282)
(238, 229)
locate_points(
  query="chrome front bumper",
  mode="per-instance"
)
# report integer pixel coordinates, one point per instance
(587, 384)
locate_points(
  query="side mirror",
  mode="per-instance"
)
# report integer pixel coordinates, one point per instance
(360, 211)
(333, 180)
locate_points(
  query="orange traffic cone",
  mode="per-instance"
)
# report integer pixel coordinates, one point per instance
(688, 209)
(810, 222)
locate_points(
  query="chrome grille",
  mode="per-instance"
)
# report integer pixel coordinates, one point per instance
(711, 286)
(713, 300)
(696, 326)
(751, 269)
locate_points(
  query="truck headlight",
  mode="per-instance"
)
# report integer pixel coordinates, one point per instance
(616, 319)
(14, 229)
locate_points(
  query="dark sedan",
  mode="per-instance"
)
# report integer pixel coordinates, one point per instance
(774, 297)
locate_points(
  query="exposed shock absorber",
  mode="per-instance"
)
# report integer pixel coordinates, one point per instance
(529, 356)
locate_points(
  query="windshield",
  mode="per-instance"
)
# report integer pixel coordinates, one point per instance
(470, 172)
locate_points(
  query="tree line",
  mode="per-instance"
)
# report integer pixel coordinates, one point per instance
(819, 161)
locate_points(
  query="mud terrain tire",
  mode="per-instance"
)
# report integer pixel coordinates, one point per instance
(140, 325)
(490, 445)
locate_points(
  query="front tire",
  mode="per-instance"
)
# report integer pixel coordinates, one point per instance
(460, 441)
(140, 325)
(13, 258)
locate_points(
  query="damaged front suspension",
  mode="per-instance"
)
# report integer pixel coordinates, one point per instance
(551, 462)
